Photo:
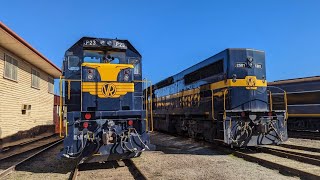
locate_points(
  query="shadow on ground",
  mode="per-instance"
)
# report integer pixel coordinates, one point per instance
(169, 144)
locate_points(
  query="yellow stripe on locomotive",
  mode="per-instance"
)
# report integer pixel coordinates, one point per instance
(108, 87)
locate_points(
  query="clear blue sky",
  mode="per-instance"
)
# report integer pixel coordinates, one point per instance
(173, 35)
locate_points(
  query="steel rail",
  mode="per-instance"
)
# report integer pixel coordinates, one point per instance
(12, 147)
(302, 157)
(134, 170)
(263, 162)
(13, 167)
(273, 165)
(26, 151)
(304, 148)
(74, 173)
(132, 167)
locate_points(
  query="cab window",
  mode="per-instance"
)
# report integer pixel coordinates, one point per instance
(113, 57)
(93, 56)
(73, 63)
(136, 64)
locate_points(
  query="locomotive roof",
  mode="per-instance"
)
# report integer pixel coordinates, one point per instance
(126, 42)
(201, 64)
(295, 80)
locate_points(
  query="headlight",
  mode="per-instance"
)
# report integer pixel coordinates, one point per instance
(90, 76)
(126, 77)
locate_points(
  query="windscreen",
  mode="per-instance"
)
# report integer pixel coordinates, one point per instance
(92, 56)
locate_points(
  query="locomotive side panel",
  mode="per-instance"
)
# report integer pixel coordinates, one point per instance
(303, 102)
(223, 97)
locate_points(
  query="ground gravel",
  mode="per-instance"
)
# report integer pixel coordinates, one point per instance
(108, 170)
(303, 142)
(45, 166)
(170, 158)
(180, 158)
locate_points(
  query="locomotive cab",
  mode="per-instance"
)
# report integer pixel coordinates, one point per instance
(250, 116)
(103, 95)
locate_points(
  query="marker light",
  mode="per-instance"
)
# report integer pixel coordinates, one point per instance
(130, 122)
(126, 75)
(85, 124)
(87, 116)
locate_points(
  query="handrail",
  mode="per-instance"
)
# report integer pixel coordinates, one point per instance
(60, 109)
(69, 87)
(286, 105)
(151, 113)
(67, 128)
(285, 99)
(147, 103)
(270, 99)
(61, 103)
(224, 104)
(212, 105)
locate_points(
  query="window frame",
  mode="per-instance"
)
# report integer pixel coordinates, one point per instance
(49, 83)
(73, 68)
(13, 66)
(32, 76)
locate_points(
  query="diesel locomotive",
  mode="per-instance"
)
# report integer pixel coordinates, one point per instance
(223, 98)
(102, 91)
(303, 102)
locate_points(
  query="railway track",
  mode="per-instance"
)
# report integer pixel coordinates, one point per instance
(24, 144)
(82, 170)
(291, 160)
(14, 157)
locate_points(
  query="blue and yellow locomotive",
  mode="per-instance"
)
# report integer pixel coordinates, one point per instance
(223, 97)
(103, 101)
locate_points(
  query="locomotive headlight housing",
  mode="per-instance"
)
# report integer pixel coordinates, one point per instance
(126, 77)
(250, 59)
(234, 78)
(126, 74)
(90, 76)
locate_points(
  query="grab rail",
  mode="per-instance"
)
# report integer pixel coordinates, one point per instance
(284, 97)
(61, 103)
(60, 108)
(146, 84)
(270, 99)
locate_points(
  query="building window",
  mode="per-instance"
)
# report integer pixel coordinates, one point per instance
(50, 85)
(11, 68)
(35, 79)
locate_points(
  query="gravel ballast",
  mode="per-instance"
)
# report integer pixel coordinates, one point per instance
(181, 158)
